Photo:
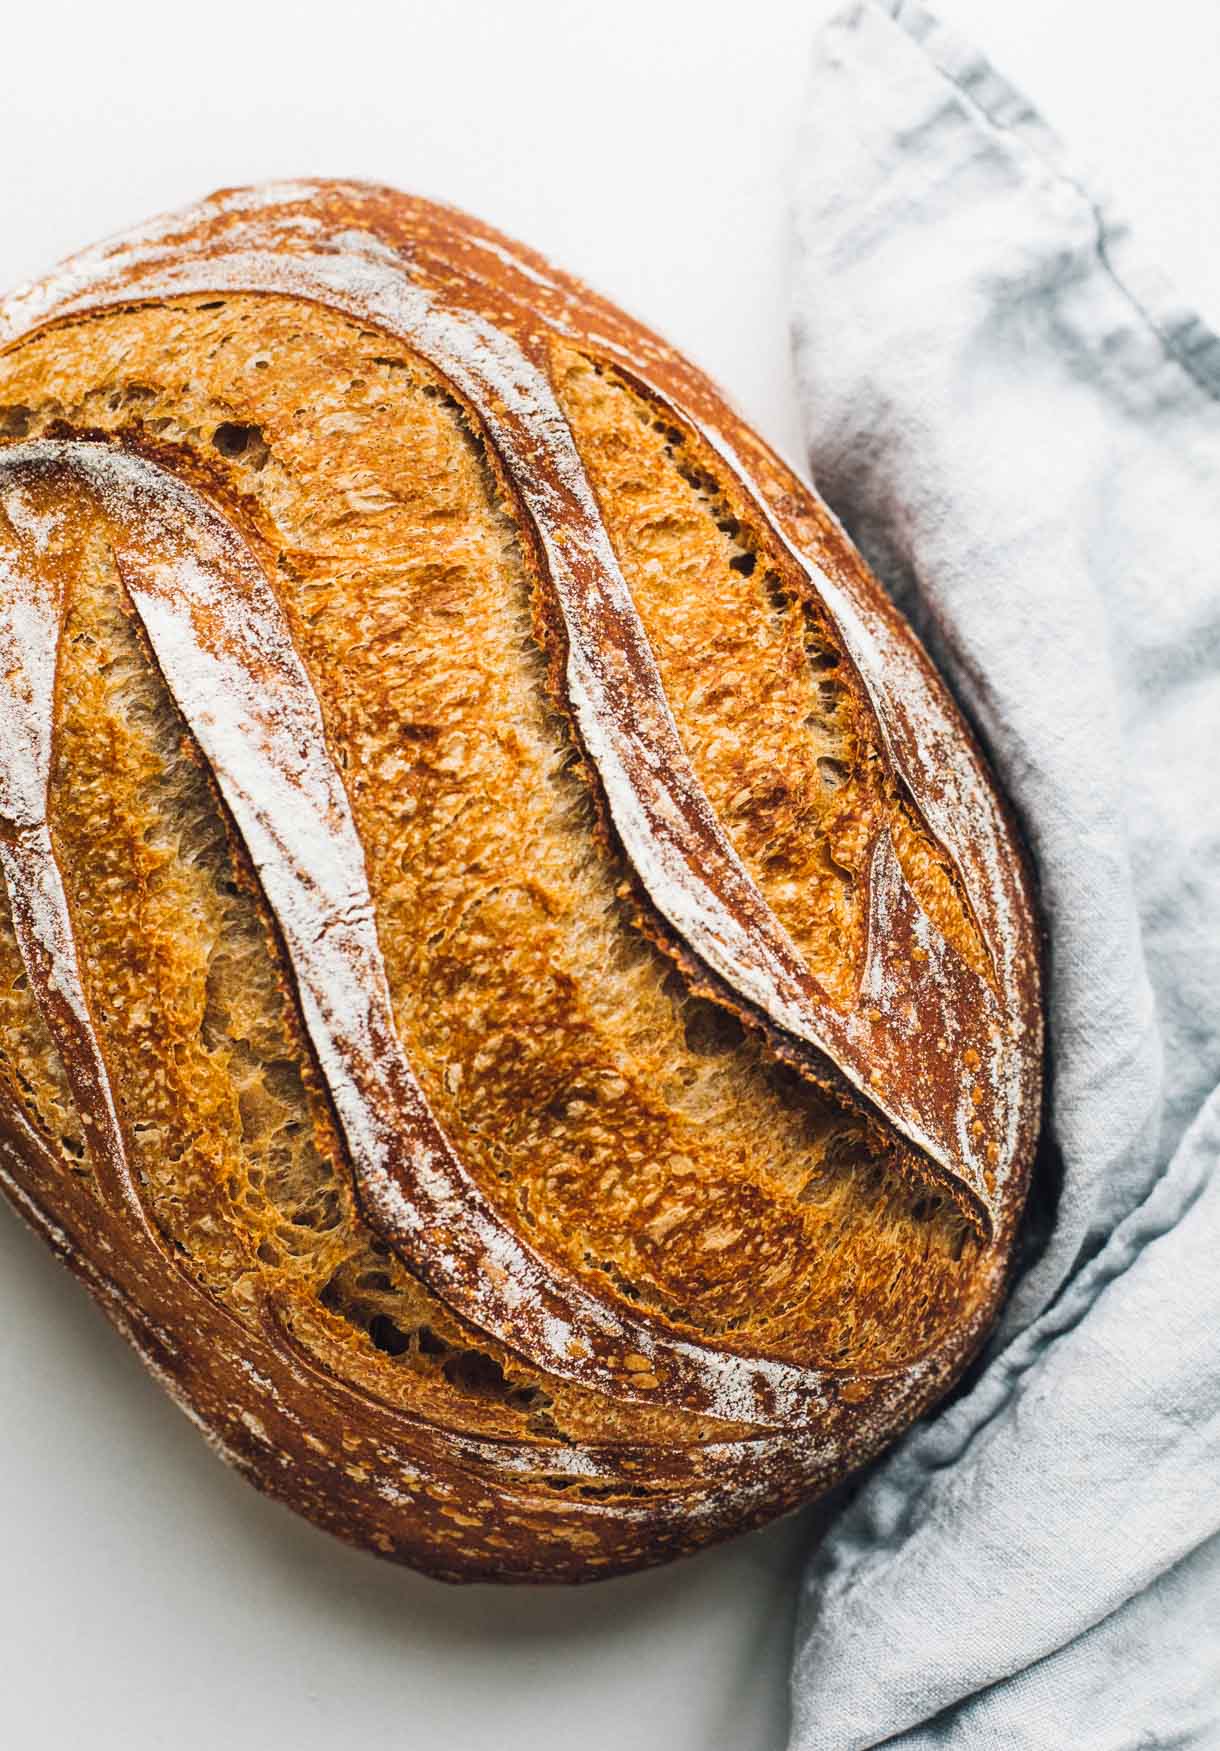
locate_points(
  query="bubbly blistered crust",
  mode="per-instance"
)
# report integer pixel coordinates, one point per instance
(655, 1107)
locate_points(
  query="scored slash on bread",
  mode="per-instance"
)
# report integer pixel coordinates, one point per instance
(464, 801)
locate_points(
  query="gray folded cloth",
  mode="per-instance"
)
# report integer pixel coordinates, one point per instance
(1021, 429)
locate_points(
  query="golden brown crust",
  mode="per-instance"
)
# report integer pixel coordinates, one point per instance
(683, 1265)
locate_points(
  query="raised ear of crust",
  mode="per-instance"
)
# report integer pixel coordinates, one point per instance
(911, 994)
(927, 1021)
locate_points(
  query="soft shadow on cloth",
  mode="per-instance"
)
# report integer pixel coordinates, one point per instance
(1021, 429)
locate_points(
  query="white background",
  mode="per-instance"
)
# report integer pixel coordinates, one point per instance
(149, 1598)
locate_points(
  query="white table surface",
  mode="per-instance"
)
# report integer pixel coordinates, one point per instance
(150, 1599)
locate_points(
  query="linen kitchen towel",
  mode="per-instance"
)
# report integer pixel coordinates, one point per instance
(1021, 429)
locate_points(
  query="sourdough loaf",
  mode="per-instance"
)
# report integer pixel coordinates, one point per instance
(517, 992)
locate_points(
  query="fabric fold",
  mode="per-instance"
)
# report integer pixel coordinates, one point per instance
(1020, 427)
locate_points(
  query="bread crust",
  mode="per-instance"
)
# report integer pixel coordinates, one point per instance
(681, 1423)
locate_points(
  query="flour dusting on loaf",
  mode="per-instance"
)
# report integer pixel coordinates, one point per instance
(468, 1140)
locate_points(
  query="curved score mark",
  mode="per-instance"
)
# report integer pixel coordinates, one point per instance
(31, 611)
(224, 646)
(926, 1027)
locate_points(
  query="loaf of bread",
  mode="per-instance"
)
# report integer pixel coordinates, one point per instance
(517, 992)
